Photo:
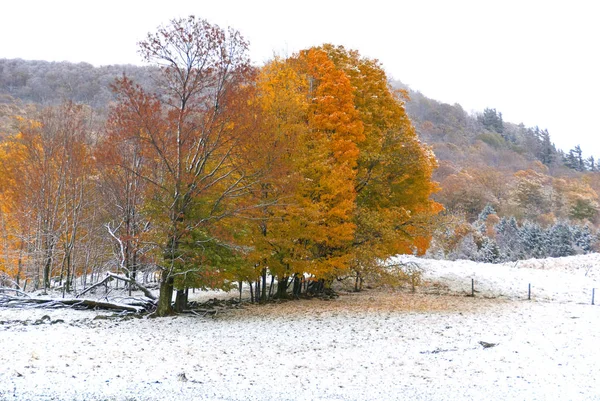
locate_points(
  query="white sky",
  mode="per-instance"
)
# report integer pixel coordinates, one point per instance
(537, 62)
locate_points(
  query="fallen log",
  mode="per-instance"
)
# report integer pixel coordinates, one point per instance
(14, 302)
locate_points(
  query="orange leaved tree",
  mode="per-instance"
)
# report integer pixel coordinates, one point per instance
(310, 131)
(393, 180)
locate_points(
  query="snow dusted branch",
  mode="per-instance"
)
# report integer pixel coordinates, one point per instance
(98, 284)
(121, 247)
(16, 291)
(146, 291)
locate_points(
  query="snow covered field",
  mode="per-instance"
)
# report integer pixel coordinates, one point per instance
(566, 279)
(376, 345)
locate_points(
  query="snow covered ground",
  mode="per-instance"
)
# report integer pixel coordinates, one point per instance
(566, 279)
(375, 345)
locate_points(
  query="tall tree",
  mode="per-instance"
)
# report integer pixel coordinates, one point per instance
(121, 164)
(188, 135)
(393, 178)
(574, 159)
(312, 131)
(282, 99)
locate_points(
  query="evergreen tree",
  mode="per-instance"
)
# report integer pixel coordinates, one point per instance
(579, 158)
(487, 210)
(582, 238)
(489, 251)
(480, 223)
(491, 120)
(574, 159)
(590, 164)
(547, 150)
(559, 240)
(532, 239)
(508, 239)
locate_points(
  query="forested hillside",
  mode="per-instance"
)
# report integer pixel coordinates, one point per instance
(50, 83)
(508, 193)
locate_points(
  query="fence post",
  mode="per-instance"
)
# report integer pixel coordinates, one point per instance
(593, 293)
(529, 292)
(472, 287)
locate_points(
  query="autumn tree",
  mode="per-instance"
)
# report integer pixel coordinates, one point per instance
(311, 132)
(374, 202)
(50, 160)
(120, 163)
(393, 179)
(282, 104)
(13, 234)
(188, 136)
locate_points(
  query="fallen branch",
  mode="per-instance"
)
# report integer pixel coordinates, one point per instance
(98, 284)
(146, 291)
(19, 292)
(110, 276)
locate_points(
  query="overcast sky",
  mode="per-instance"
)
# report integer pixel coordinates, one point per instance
(537, 62)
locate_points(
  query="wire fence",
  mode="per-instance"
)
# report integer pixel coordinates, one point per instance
(531, 292)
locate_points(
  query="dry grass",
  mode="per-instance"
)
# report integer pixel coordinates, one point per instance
(371, 301)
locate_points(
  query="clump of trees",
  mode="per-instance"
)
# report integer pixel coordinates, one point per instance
(305, 169)
(492, 239)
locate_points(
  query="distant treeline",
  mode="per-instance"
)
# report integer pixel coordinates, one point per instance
(50, 83)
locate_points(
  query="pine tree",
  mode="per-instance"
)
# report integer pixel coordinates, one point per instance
(489, 251)
(508, 239)
(492, 120)
(582, 238)
(559, 240)
(590, 164)
(574, 159)
(487, 210)
(547, 153)
(532, 239)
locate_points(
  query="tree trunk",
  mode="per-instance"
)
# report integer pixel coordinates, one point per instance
(47, 267)
(356, 282)
(251, 292)
(297, 286)
(20, 265)
(181, 300)
(282, 285)
(263, 297)
(257, 292)
(133, 270)
(163, 307)
(270, 294)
